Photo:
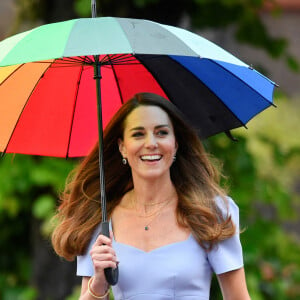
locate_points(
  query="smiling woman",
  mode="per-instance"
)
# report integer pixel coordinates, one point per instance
(171, 223)
(149, 144)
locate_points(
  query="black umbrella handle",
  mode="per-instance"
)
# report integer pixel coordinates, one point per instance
(111, 275)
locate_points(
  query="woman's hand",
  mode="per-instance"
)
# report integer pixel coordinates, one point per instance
(103, 256)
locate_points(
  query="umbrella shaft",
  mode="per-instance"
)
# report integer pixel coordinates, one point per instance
(97, 77)
(94, 8)
(111, 275)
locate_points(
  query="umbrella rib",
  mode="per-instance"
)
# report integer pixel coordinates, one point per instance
(182, 66)
(156, 78)
(74, 61)
(242, 123)
(118, 59)
(69, 61)
(87, 60)
(12, 73)
(66, 65)
(117, 82)
(77, 59)
(123, 58)
(244, 82)
(16, 124)
(2, 153)
(113, 58)
(73, 114)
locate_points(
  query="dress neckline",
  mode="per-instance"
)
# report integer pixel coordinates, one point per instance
(152, 250)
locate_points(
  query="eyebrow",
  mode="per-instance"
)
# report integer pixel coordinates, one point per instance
(156, 127)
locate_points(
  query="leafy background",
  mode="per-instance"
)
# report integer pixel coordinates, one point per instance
(262, 170)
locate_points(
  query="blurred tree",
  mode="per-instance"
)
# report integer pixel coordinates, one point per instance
(29, 186)
(29, 269)
(246, 16)
(262, 171)
(263, 168)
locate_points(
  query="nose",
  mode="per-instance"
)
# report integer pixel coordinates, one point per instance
(151, 141)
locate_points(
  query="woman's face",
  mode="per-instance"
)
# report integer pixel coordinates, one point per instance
(148, 142)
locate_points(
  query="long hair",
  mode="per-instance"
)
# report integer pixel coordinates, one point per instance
(194, 176)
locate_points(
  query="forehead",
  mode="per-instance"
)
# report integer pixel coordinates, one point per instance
(146, 115)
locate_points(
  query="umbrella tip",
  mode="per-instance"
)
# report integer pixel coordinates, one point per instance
(229, 135)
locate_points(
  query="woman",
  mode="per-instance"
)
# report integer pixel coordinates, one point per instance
(171, 223)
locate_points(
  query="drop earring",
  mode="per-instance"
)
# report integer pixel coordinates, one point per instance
(174, 158)
(124, 161)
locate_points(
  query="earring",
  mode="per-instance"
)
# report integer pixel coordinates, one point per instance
(124, 161)
(174, 158)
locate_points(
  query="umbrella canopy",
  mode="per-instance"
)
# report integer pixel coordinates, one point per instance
(47, 91)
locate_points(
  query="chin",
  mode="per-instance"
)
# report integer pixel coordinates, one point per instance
(154, 174)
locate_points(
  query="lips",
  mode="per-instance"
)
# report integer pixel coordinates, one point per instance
(154, 157)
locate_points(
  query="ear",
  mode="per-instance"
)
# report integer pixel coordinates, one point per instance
(176, 146)
(122, 148)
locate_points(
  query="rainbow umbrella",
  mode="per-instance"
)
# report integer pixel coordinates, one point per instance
(52, 102)
(48, 95)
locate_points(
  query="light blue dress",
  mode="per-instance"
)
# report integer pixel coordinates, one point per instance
(181, 270)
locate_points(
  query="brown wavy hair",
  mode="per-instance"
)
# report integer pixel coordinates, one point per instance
(194, 176)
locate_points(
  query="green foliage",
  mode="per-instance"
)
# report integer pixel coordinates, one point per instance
(28, 189)
(143, 3)
(75, 295)
(247, 20)
(292, 63)
(83, 7)
(263, 168)
(252, 31)
(245, 15)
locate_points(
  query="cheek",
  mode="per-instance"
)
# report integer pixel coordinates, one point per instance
(131, 149)
(171, 147)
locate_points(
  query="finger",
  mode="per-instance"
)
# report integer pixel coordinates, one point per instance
(102, 239)
(104, 260)
(99, 266)
(98, 254)
(102, 249)
(104, 257)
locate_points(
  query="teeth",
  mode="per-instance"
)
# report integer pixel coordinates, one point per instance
(151, 157)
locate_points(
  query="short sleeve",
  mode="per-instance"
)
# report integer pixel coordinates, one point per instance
(227, 255)
(84, 262)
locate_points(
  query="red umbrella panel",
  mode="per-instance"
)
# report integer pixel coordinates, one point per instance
(53, 109)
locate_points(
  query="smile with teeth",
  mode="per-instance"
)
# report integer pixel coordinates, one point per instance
(154, 157)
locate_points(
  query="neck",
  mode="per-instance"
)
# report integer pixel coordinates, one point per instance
(147, 196)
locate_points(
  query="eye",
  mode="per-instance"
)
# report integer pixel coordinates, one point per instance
(137, 134)
(162, 132)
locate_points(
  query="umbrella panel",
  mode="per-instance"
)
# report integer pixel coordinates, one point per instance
(57, 109)
(203, 109)
(16, 87)
(54, 113)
